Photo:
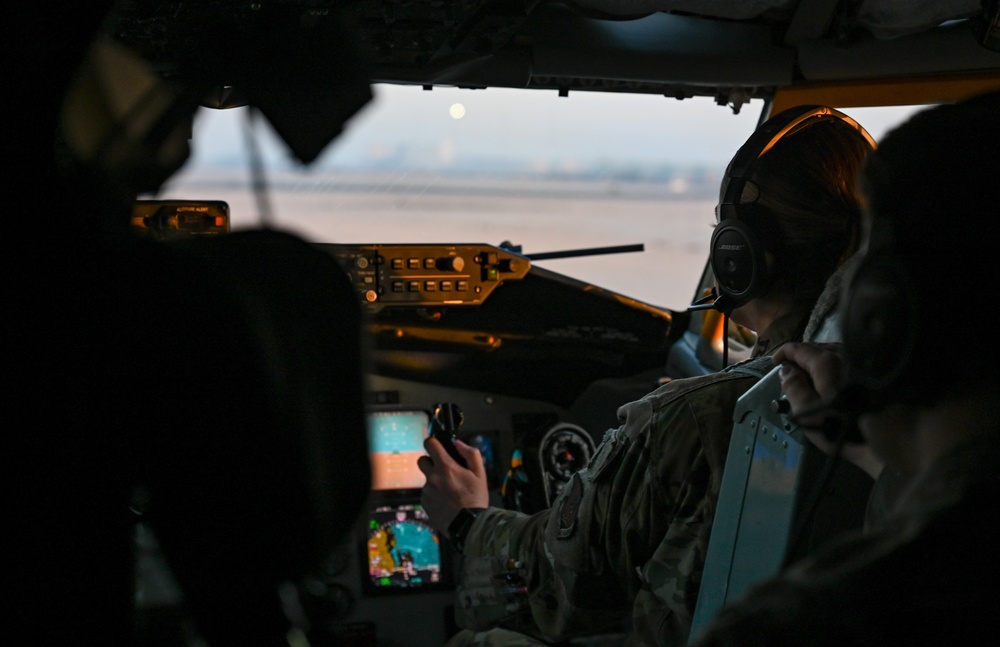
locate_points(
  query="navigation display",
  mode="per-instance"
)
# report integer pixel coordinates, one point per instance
(403, 551)
(395, 442)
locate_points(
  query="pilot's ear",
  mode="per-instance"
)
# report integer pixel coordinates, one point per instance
(120, 118)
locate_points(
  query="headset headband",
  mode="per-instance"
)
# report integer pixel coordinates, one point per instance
(764, 138)
(738, 255)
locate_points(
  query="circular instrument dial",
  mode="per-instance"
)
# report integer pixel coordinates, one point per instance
(565, 449)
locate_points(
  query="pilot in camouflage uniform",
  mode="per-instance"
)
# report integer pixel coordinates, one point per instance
(628, 534)
(640, 514)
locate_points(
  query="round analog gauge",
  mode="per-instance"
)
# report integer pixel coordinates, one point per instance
(564, 450)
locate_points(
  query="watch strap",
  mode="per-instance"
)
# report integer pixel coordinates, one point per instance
(459, 528)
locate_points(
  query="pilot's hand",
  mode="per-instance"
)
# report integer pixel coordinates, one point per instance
(451, 487)
(810, 378)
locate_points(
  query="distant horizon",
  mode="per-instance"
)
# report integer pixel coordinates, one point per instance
(651, 182)
(408, 128)
(674, 149)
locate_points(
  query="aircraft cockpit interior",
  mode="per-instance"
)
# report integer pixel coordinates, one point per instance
(535, 361)
(520, 196)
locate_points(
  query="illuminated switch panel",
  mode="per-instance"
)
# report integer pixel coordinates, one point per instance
(167, 219)
(425, 275)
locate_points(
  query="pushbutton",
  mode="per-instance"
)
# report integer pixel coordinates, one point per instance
(413, 263)
(397, 263)
(430, 286)
(446, 286)
(414, 286)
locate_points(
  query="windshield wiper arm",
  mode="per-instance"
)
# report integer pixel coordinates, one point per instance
(591, 251)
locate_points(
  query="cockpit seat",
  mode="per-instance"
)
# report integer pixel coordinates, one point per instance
(781, 497)
(257, 464)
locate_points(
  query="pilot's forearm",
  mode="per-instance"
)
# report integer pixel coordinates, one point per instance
(495, 570)
(511, 579)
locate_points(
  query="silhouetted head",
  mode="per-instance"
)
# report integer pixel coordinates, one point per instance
(915, 323)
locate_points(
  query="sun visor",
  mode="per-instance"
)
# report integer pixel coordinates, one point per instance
(305, 72)
(304, 68)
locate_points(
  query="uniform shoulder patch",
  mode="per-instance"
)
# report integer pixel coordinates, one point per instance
(607, 453)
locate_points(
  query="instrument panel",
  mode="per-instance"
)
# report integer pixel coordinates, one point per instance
(427, 274)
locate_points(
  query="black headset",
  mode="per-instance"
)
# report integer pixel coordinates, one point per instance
(880, 312)
(738, 256)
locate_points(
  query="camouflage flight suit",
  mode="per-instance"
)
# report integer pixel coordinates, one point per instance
(629, 531)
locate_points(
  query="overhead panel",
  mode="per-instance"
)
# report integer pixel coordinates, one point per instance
(658, 48)
(954, 46)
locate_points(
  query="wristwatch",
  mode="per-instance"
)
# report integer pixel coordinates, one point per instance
(458, 529)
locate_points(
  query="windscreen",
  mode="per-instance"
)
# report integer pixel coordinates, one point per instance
(529, 168)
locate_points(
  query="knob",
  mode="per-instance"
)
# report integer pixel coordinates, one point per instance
(781, 405)
(451, 263)
(511, 265)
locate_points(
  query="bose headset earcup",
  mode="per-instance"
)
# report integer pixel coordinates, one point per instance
(878, 324)
(738, 255)
(738, 262)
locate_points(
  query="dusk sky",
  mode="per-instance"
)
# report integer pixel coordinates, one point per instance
(448, 126)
